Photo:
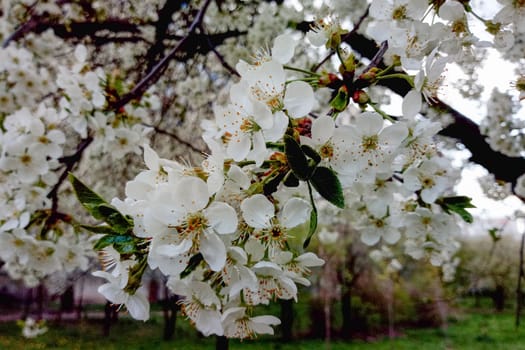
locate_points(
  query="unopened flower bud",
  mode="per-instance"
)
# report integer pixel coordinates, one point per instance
(369, 75)
(349, 65)
(303, 126)
(327, 79)
(360, 97)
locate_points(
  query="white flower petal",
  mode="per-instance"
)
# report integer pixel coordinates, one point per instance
(309, 259)
(369, 123)
(411, 104)
(238, 148)
(192, 192)
(213, 251)
(151, 158)
(257, 211)
(298, 99)
(221, 217)
(322, 129)
(209, 322)
(171, 250)
(370, 237)
(138, 306)
(295, 212)
(283, 48)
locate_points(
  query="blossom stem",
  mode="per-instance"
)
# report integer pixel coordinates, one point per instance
(406, 77)
(386, 70)
(383, 114)
(301, 71)
(338, 51)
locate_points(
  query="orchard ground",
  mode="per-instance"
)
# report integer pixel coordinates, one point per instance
(466, 328)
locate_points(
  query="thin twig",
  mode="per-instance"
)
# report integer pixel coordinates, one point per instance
(155, 73)
(69, 162)
(343, 39)
(218, 54)
(176, 137)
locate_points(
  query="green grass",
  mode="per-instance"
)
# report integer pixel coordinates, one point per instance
(472, 330)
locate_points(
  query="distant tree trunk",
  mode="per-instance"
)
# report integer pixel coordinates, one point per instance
(390, 308)
(346, 310)
(80, 303)
(327, 323)
(287, 318)
(170, 309)
(40, 301)
(67, 299)
(110, 316)
(316, 313)
(221, 343)
(519, 293)
(498, 298)
(27, 303)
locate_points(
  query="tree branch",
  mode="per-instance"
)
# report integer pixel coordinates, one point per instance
(155, 73)
(176, 137)
(463, 129)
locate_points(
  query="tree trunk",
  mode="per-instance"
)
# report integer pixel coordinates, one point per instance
(40, 301)
(170, 316)
(108, 314)
(498, 298)
(519, 293)
(80, 303)
(221, 343)
(346, 310)
(287, 318)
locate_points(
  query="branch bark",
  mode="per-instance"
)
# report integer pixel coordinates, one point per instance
(462, 129)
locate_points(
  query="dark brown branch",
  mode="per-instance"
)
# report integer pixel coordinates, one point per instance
(176, 137)
(463, 129)
(161, 27)
(75, 29)
(155, 73)
(344, 38)
(69, 162)
(221, 59)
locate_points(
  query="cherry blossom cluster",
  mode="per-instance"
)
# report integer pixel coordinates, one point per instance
(229, 233)
(37, 237)
(288, 144)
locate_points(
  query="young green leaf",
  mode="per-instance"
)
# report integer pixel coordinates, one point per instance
(99, 208)
(340, 101)
(457, 204)
(296, 158)
(290, 180)
(192, 265)
(105, 229)
(88, 198)
(312, 153)
(115, 240)
(115, 219)
(313, 223)
(327, 184)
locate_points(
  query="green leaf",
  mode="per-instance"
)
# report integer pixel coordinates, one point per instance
(340, 101)
(99, 208)
(457, 204)
(271, 186)
(326, 182)
(88, 198)
(192, 265)
(290, 180)
(116, 241)
(312, 153)
(99, 229)
(296, 158)
(115, 219)
(312, 228)
(494, 234)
